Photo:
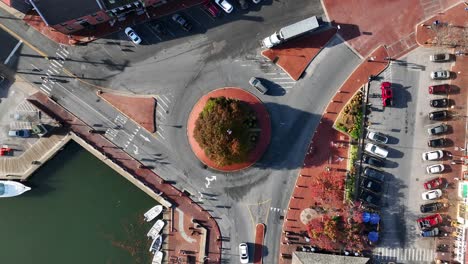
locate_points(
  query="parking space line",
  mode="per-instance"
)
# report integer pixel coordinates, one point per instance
(160, 135)
(206, 13)
(285, 82)
(196, 21)
(281, 78)
(152, 31)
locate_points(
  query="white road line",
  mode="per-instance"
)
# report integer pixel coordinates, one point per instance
(245, 65)
(35, 67)
(152, 31)
(160, 135)
(60, 52)
(160, 99)
(159, 105)
(60, 55)
(45, 91)
(206, 13)
(47, 87)
(57, 72)
(13, 51)
(64, 49)
(285, 82)
(160, 128)
(54, 62)
(165, 97)
(196, 21)
(281, 78)
(160, 114)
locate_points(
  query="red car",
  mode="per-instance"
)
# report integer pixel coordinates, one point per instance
(5, 150)
(429, 221)
(387, 94)
(439, 89)
(212, 9)
(434, 184)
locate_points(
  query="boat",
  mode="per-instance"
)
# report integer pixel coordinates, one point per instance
(156, 245)
(12, 188)
(153, 213)
(157, 259)
(156, 229)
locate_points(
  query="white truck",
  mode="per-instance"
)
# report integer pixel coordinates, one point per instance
(291, 31)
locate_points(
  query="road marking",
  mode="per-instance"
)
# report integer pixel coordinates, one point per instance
(209, 180)
(160, 135)
(165, 97)
(160, 128)
(57, 72)
(135, 149)
(145, 138)
(162, 101)
(13, 51)
(24, 41)
(196, 21)
(281, 78)
(285, 82)
(161, 114)
(152, 31)
(271, 73)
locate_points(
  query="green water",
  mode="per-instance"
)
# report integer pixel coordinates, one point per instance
(78, 211)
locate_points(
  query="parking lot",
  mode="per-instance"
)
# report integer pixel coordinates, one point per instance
(406, 123)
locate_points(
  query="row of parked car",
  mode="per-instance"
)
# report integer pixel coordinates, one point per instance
(212, 8)
(428, 224)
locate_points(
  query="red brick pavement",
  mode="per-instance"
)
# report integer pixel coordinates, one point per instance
(144, 175)
(140, 109)
(258, 247)
(263, 118)
(103, 29)
(328, 148)
(295, 55)
(366, 24)
(456, 16)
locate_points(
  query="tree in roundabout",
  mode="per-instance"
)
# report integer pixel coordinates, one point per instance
(226, 130)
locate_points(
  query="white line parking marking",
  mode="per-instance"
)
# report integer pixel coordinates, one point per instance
(160, 135)
(285, 82)
(281, 78)
(165, 97)
(196, 21)
(152, 31)
(13, 52)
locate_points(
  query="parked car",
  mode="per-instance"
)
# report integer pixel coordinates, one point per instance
(376, 150)
(439, 89)
(24, 133)
(429, 221)
(39, 130)
(377, 137)
(432, 194)
(431, 207)
(373, 161)
(443, 102)
(387, 94)
(256, 1)
(439, 115)
(212, 9)
(437, 143)
(433, 155)
(436, 168)
(225, 5)
(371, 185)
(374, 174)
(435, 183)
(437, 130)
(369, 198)
(243, 4)
(430, 233)
(440, 75)
(257, 84)
(179, 19)
(440, 57)
(243, 253)
(132, 35)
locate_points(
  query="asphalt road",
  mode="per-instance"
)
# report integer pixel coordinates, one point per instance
(179, 70)
(406, 125)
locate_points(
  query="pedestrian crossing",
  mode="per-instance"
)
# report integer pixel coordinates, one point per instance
(277, 210)
(404, 254)
(54, 69)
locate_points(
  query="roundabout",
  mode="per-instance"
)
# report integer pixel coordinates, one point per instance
(263, 127)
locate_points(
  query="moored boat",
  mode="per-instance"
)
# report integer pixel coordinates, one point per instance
(158, 257)
(12, 188)
(156, 245)
(156, 229)
(153, 213)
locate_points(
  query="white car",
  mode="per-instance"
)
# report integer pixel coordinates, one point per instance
(225, 5)
(133, 35)
(376, 150)
(433, 155)
(243, 253)
(377, 137)
(436, 168)
(256, 1)
(440, 75)
(432, 194)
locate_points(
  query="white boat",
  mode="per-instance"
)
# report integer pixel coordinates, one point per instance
(153, 213)
(156, 245)
(12, 188)
(156, 229)
(158, 257)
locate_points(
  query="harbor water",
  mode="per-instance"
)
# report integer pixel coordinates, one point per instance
(78, 211)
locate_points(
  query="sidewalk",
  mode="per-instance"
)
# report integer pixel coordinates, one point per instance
(144, 176)
(103, 29)
(322, 158)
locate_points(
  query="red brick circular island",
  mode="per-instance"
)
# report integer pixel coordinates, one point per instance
(261, 113)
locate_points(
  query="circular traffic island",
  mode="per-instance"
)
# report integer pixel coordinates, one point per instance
(229, 129)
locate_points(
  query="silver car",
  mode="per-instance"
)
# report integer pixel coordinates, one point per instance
(440, 75)
(257, 84)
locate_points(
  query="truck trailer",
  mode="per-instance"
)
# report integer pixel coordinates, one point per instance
(291, 31)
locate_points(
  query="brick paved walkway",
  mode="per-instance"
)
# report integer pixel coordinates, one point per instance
(140, 109)
(145, 176)
(262, 115)
(295, 55)
(103, 29)
(327, 153)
